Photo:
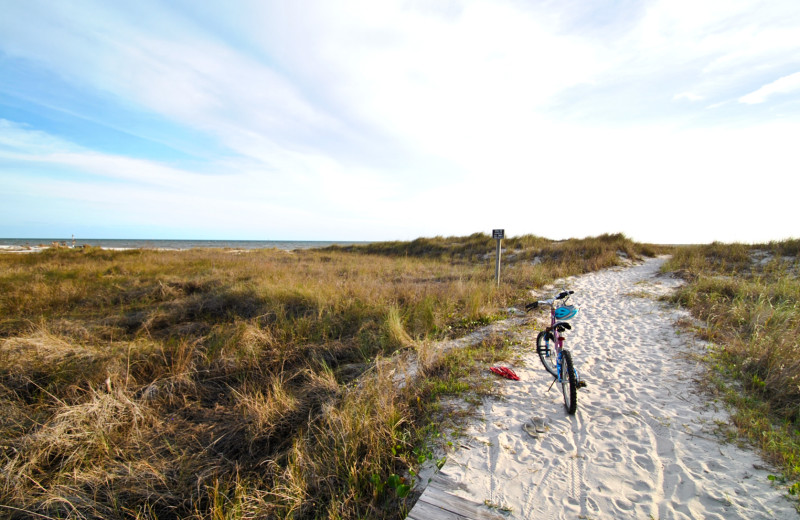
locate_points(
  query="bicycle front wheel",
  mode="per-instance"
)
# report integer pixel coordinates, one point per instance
(547, 353)
(569, 382)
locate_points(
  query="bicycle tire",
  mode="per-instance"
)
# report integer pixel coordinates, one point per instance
(547, 354)
(569, 382)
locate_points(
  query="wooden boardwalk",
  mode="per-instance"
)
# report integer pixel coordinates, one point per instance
(438, 503)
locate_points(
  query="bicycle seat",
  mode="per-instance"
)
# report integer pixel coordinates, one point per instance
(561, 326)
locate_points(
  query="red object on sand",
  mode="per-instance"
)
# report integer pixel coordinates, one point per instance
(505, 372)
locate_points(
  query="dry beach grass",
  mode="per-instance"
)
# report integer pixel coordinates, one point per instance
(221, 384)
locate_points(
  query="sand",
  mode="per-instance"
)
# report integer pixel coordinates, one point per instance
(644, 442)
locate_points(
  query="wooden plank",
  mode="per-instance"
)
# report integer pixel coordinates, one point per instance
(458, 505)
(444, 484)
(426, 511)
(437, 502)
(443, 478)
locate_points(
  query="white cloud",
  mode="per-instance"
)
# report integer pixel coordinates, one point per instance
(444, 85)
(318, 192)
(689, 96)
(15, 137)
(784, 85)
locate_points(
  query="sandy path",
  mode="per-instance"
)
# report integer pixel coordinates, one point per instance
(641, 444)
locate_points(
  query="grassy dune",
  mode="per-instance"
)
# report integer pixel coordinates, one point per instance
(213, 384)
(748, 298)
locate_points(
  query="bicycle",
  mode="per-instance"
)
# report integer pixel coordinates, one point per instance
(556, 359)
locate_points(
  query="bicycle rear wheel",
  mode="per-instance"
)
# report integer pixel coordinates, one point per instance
(569, 382)
(547, 353)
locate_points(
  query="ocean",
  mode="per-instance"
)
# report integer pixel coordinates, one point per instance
(112, 243)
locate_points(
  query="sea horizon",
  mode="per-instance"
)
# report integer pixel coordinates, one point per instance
(171, 244)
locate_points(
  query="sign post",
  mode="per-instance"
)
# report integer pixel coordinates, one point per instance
(498, 234)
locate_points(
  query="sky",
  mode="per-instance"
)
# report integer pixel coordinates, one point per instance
(672, 121)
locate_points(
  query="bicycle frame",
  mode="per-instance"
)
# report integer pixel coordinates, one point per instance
(558, 340)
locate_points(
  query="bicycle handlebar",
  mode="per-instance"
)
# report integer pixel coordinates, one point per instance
(535, 305)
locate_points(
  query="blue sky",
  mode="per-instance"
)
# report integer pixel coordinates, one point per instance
(670, 121)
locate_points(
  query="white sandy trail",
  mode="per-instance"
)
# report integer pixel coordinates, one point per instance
(642, 443)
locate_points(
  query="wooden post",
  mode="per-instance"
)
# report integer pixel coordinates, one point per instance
(498, 234)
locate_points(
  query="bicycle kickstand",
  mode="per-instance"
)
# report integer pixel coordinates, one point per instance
(551, 384)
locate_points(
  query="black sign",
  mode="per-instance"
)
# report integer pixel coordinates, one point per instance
(497, 234)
